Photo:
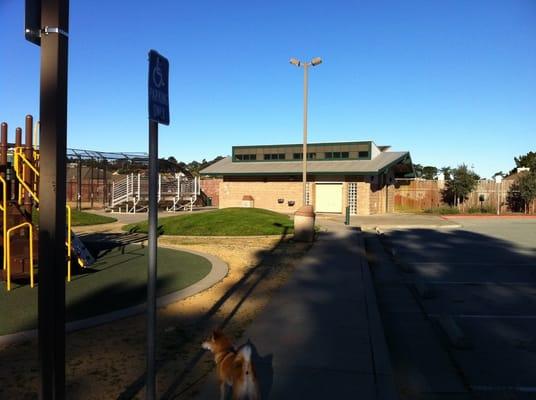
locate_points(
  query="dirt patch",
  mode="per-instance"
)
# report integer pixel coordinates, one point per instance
(108, 362)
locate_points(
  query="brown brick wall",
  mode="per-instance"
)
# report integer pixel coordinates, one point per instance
(211, 187)
(265, 193)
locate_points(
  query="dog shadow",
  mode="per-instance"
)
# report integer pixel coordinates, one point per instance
(264, 369)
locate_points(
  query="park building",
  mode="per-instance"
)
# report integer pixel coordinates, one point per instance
(359, 175)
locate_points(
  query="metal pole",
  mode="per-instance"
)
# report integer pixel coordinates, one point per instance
(79, 179)
(305, 87)
(151, 271)
(92, 162)
(3, 150)
(498, 197)
(28, 153)
(52, 252)
(105, 180)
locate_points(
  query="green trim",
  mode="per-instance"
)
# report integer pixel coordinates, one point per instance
(313, 160)
(346, 173)
(300, 144)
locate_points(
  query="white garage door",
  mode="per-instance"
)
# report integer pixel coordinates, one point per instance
(328, 197)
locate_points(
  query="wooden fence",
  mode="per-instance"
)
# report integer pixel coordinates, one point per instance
(421, 194)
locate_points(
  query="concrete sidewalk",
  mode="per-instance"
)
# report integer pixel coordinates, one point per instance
(321, 337)
(394, 221)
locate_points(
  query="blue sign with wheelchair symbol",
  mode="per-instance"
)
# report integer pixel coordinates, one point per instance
(158, 88)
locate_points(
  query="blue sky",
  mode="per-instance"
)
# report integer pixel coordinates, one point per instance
(450, 81)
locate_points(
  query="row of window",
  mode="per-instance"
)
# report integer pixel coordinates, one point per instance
(329, 155)
(277, 156)
(299, 156)
(246, 157)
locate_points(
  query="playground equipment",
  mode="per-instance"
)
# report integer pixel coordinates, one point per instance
(19, 190)
(176, 192)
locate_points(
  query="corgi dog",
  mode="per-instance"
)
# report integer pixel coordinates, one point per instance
(234, 367)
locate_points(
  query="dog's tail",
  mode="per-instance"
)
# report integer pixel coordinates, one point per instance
(250, 388)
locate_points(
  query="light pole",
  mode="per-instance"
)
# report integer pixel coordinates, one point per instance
(314, 62)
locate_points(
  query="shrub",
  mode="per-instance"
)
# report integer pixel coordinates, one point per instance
(444, 210)
(483, 210)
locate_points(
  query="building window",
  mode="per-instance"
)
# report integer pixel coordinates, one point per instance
(276, 156)
(363, 154)
(299, 156)
(336, 155)
(246, 157)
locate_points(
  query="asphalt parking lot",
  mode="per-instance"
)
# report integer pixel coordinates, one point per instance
(459, 307)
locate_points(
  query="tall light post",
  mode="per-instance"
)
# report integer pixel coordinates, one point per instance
(314, 62)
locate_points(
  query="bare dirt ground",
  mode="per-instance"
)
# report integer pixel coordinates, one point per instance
(108, 361)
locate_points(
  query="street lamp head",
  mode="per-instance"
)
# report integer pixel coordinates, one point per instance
(295, 62)
(315, 61)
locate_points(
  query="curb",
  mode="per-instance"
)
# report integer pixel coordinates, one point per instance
(217, 273)
(387, 226)
(385, 384)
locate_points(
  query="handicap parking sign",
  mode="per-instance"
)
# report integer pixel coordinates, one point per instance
(158, 88)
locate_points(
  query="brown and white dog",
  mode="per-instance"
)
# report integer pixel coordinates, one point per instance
(234, 367)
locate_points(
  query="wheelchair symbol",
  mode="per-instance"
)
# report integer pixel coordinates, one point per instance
(158, 78)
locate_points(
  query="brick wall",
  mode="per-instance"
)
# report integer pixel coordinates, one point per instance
(211, 187)
(265, 193)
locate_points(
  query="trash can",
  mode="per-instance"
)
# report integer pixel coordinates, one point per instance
(209, 201)
(304, 224)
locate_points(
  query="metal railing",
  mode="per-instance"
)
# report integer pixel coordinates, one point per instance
(20, 163)
(3, 208)
(129, 193)
(8, 251)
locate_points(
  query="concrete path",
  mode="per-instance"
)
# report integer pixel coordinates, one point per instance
(321, 337)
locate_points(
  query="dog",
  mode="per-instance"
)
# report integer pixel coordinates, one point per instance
(234, 367)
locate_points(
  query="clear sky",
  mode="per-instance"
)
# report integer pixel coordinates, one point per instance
(450, 81)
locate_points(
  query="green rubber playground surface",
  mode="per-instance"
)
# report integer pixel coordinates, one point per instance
(117, 280)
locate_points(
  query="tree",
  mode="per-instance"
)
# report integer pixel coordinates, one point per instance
(522, 192)
(463, 182)
(429, 172)
(418, 170)
(528, 161)
(446, 171)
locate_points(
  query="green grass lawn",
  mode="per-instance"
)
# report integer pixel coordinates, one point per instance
(80, 218)
(224, 222)
(114, 282)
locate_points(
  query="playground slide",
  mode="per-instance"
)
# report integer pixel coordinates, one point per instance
(85, 259)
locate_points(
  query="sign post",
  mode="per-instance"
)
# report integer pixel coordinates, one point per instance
(158, 113)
